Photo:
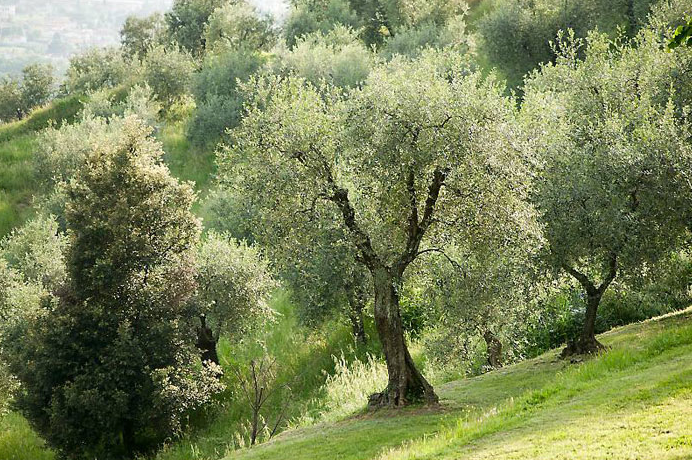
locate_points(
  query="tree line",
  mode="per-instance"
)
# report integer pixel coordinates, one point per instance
(370, 163)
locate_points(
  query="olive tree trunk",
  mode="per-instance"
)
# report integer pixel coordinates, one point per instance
(406, 384)
(494, 347)
(587, 343)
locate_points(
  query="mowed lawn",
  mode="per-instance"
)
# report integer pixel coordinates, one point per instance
(634, 402)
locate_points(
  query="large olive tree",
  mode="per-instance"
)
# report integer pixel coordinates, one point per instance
(613, 190)
(413, 159)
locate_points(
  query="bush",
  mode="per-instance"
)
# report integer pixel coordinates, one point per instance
(169, 74)
(219, 103)
(109, 369)
(96, 69)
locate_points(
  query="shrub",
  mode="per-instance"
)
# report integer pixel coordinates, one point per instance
(169, 74)
(219, 103)
(112, 369)
(96, 69)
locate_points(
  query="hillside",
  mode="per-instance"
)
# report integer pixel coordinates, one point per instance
(633, 402)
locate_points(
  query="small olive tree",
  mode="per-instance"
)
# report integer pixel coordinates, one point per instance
(95, 69)
(169, 73)
(139, 35)
(234, 284)
(414, 158)
(38, 85)
(613, 191)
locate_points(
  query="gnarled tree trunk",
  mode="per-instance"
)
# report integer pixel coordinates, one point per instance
(494, 349)
(206, 342)
(587, 343)
(406, 383)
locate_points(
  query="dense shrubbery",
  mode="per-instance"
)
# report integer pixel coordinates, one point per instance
(516, 34)
(18, 97)
(219, 102)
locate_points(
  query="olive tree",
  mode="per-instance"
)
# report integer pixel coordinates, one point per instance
(234, 284)
(186, 22)
(139, 35)
(613, 191)
(37, 85)
(481, 297)
(95, 69)
(215, 88)
(10, 99)
(414, 158)
(238, 25)
(169, 73)
(337, 57)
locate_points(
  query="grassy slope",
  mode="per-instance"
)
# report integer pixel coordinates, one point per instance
(17, 143)
(633, 402)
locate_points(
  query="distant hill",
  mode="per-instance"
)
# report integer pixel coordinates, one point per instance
(54, 30)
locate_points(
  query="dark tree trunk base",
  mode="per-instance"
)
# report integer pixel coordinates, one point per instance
(583, 347)
(383, 399)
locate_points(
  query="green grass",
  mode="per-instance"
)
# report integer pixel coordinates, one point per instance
(185, 161)
(60, 110)
(304, 357)
(17, 144)
(632, 402)
(16, 184)
(19, 442)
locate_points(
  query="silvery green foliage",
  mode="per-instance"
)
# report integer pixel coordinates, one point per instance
(309, 16)
(383, 143)
(168, 72)
(234, 284)
(433, 24)
(95, 69)
(215, 88)
(610, 138)
(238, 25)
(337, 57)
(474, 293)
(32, 265)
(140, 101)
(516, 35)
(63, 149)
(36, 251)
